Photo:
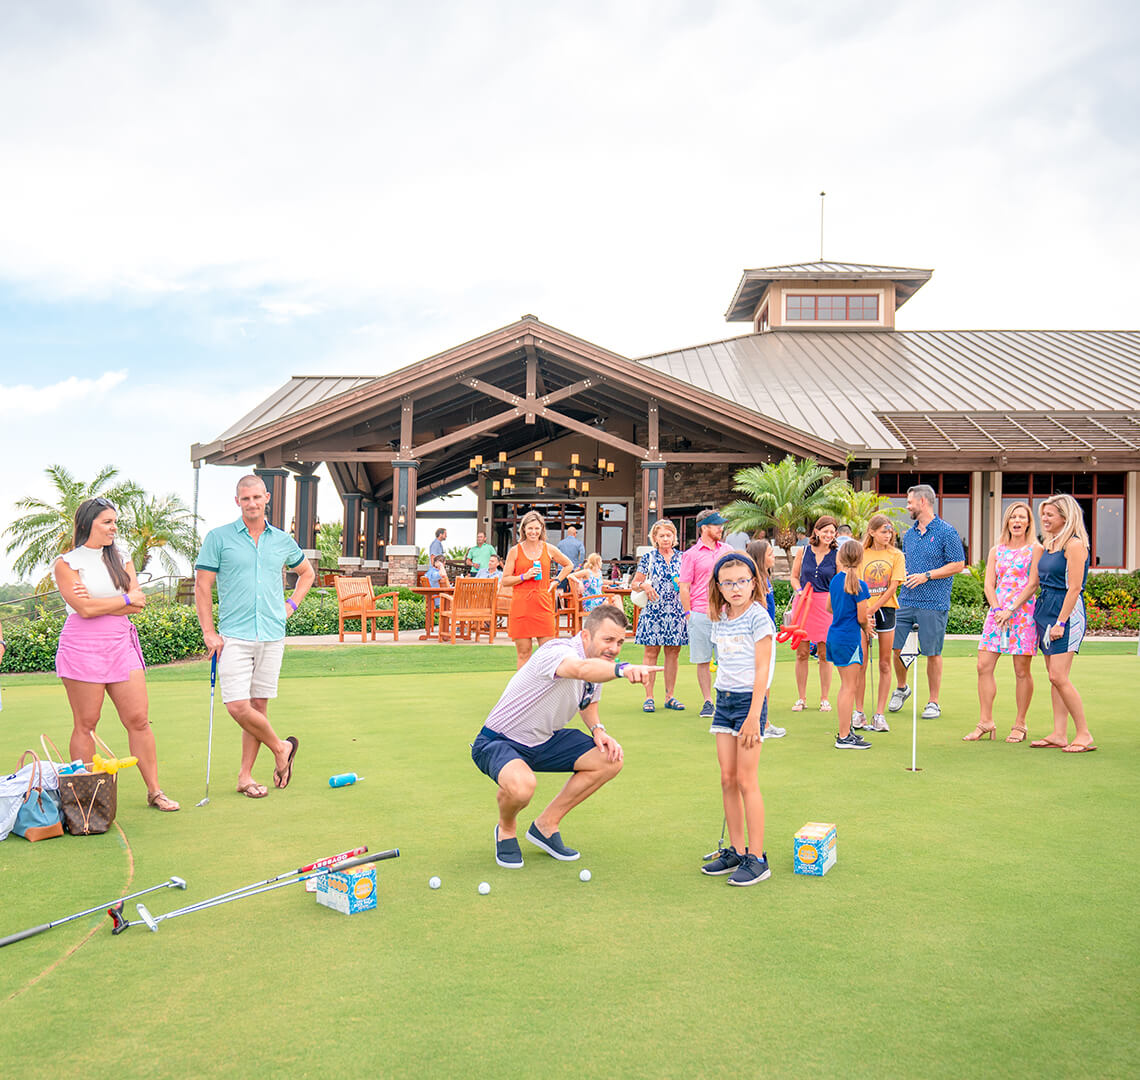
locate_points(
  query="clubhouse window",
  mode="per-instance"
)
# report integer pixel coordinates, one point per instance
(832, 307)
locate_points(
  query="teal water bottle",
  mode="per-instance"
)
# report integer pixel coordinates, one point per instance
(537, 569)
(344, 779)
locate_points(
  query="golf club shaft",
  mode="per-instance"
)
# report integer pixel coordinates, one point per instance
(253, 890)
(210, 737)
(32, 931)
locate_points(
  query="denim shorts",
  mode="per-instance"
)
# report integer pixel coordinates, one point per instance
(931, 626)
(732, 710)
(491, 751)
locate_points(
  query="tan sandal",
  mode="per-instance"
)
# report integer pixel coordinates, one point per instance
(1017, 735)
(161, 801)
(799, 705)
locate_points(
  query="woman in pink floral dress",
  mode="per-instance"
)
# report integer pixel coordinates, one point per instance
(1008, 630)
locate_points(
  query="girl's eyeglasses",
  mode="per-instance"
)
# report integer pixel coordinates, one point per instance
(735, 586)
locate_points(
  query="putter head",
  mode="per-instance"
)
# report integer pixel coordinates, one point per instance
(204, 802)
(177, 883)
(118, 923)
(147, 918)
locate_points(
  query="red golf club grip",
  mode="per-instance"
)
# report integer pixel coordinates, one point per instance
(332, 859)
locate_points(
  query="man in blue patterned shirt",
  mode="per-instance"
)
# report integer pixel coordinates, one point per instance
(934, 554)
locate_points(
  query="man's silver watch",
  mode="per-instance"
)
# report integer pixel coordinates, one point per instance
(597, 727)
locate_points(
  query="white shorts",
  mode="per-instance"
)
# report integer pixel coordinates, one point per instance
(700, 638)
(249, 669)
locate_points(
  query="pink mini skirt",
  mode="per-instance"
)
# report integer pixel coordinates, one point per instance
(103, 649)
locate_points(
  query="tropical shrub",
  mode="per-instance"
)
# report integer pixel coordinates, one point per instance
(966, 589)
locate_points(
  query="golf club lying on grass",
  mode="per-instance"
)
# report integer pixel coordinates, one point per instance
(210, 738)
(147, 919)
(173, 883)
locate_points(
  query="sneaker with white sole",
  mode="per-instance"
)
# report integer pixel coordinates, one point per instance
(552, 844)
(859, 720)
(932, 711)
(724, 863)
(752, 869)
(898, 697)
(508, 854)
(879, 723)
(851, 742)
(707, 711)
(774, 732)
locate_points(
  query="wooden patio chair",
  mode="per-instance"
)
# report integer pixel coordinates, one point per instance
(469, 610)
(570, 610)
(354, 600)
(503, 606)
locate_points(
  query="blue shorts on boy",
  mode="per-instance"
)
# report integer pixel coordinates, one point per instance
(845, 636)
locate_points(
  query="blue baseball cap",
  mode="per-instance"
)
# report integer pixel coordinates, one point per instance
(710, 517)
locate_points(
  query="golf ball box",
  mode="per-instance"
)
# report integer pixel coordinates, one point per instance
(814, 848)
(348, 891)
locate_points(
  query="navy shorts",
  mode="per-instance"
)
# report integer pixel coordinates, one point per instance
(931, 629)
(491, 751)
(884, 619)
(732, 710)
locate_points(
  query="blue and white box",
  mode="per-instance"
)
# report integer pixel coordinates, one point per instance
(815, 849)
(348, 891)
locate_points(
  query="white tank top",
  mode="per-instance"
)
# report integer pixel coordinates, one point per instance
(93, 572)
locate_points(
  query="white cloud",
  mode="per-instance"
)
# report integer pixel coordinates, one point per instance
(24, 400)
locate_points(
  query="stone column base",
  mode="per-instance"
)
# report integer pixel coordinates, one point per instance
(403, 564)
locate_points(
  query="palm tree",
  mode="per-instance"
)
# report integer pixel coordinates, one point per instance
(46, 530)
(158, 526)
(860, 506)
(783, 496)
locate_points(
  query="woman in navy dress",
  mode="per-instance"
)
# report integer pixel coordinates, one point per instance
(661, 624)
(815, 566)
(1062, 570)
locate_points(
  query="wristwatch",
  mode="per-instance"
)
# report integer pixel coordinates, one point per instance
(596, 727)
(618, 669)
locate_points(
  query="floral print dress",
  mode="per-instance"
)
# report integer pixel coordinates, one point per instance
(663, 621)
(1019, 636)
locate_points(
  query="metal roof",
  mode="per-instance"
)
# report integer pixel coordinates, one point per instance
(843, 385)
(908, 281)
(298, 393)
(990, 433)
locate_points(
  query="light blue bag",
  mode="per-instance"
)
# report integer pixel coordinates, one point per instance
(39, 816)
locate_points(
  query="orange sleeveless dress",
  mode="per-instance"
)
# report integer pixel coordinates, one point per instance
(532, 602)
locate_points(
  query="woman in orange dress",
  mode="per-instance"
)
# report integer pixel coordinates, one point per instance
(527, 569)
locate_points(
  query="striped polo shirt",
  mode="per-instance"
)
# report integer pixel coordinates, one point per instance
(927, 550)
(536, 702)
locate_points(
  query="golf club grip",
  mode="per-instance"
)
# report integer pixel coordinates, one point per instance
(331, 859)
(360, 860)
(213, 671)
(23, 934)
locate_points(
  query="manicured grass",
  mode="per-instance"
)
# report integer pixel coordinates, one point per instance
(980, 921)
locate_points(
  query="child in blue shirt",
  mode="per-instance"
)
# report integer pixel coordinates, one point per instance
(847, 602)
(745, 640)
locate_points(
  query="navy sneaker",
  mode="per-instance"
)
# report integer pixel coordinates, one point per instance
(552, 844)
(851, 742)
(707, 711)
(724, 863)
(751, 870)
(508, 854)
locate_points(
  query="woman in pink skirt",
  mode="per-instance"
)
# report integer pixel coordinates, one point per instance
(99, 646)
(1008, 630)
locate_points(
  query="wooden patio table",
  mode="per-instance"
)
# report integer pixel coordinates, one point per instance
(429, 593)
(615, 591)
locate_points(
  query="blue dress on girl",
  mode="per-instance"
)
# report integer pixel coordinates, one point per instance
(662, 622)
(845, 635)
(1053, 573)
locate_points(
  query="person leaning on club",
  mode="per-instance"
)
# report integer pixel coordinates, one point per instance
(246, 559)
(934, 554)
(526, 732)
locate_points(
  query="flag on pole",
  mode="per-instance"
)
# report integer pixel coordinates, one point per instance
(910, 651)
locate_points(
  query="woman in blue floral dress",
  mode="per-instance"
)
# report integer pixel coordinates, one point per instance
(661, 624)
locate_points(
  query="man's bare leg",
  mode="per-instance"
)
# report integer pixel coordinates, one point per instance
(516, 788)
(591, 771)
(253, 716)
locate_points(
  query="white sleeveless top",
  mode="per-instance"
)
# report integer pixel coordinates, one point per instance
(93, 572)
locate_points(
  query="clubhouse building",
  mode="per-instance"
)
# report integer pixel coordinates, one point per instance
(531, 417)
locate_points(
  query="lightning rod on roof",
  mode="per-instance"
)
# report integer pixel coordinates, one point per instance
(822, 196)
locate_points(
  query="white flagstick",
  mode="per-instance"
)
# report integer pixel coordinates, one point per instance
(908, 655)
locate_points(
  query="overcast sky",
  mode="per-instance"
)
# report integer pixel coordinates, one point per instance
(199, 200)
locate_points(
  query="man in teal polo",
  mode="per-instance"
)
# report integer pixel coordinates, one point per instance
(480, 555)
(246, 559)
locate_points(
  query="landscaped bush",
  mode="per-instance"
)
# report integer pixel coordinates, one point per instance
(1109, 590)
(1117, 620)
(317, 614)
(966, 618)
(967, 590)
(32, 644)
(168, 632)
(783, 593)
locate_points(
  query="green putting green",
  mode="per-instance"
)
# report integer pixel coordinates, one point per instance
(980, 920)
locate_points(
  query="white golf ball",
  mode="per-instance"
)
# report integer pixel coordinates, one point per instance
(484, 888)
(435, 883)
(585, 875)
